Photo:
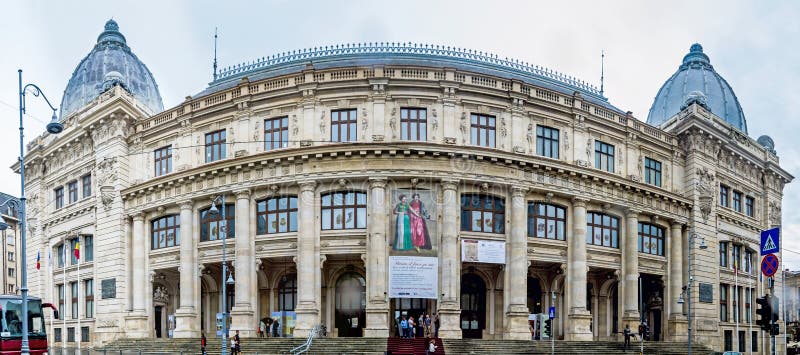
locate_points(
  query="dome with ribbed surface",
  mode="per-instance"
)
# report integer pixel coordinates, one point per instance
(111, 62)
(697, 81)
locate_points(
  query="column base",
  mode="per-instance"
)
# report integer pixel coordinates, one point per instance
(632, 319)
(186, 325)
(677, 328)
(307, 317)
(579, 326)
(517, 325)
(242, 320)
(377, 321)
(449, 327)
(136, 325)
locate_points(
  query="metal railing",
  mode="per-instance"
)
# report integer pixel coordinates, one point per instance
(302, 348)
(395, 48)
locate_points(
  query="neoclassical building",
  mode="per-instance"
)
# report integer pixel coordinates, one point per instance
(366, 182)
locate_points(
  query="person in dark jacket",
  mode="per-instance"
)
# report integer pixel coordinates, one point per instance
(203, 343)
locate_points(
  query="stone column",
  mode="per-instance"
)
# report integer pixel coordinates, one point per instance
(136, 324)
(630, 274)
(307, 311)
(450, 264)
(676, 268)
(579, 317)
(377, 306)
(517, 268)
(186, 315)
(242, 311)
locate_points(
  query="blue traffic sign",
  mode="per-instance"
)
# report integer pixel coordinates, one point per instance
(552, 312)
(770, 241)
(769, 265)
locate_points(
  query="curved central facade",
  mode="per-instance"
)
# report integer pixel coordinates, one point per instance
(366, 186)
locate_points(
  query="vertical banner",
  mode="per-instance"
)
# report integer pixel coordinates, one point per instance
(413, 259)
(413, 277)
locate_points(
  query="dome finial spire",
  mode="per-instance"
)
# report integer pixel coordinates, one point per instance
(111, 33)
(696, 55)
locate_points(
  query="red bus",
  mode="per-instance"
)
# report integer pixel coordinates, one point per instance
(11, 325)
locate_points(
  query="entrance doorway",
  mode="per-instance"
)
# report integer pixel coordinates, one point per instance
(351, 300)
(408, 307)
(534, 296)
(653, 291)
(158, 318)
(473, 306)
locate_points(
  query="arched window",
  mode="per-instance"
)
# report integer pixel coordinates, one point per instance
(651, 239)
(165, 232)
(344, 210)
(209, 225)
(287, 293)
(546, 221)
(482, 213)
(602, 230)
(276, 215)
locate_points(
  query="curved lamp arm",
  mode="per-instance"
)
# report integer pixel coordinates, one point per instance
(36, 92)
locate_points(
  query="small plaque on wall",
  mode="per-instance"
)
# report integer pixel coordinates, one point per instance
(706, 293)
(109, 288)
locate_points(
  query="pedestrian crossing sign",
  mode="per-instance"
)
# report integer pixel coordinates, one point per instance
(770, 241)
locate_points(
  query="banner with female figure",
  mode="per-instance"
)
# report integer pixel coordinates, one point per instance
(413, 223)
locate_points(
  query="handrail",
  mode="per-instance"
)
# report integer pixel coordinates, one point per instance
(302, 348)
(405, 48)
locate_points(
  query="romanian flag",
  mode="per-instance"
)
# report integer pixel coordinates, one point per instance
(77, 250)
(38, 260)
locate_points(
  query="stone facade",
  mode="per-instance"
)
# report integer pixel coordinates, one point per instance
(594, 263)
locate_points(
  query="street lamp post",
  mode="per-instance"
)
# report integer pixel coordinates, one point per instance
(223, 231)
(688, 288)
(54, 127)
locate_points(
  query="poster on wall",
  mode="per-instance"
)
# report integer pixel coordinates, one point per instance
(286, 321)
(483, 251)
(413, 277)
(414, 223)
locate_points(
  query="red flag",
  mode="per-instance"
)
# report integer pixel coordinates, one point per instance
(77, 250)
(38, 260)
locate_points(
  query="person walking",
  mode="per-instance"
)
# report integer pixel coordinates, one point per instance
(404, 327)
(262, 328)
(428, 331)
(413, 326)
(203, 343)
(431, 347)
(275, 325)
(436, 325)
(238, 344)
(627, 333)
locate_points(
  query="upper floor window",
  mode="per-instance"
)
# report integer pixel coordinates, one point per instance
(737, 201)
(215, 146)
(413, 124)
(73, 191)
(165, 232)
(344, 210)
(86, 181)
(546, 221)
(651, 239)
(11, 256)
(483, 213)
(547, 142)
(749, 202)
(604, 156)
(652, 172)
(162, 159)
(748, 260)
(602, 229)
(723, 303)
(88, 248)
(276, 215)
(61, 296)
(723, 254)
(73, 247)
(59, 191)
(343, 125)
(482, 130)
(60, 255)
(74, 288)
(210, 224)
(736, 255)
(276, 133)
(88, 292)
(723, 196)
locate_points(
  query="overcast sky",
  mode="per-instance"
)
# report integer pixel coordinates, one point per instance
(753, 45)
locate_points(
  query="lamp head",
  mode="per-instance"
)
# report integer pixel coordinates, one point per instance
(213, 211)
(230, 279)
(3, 224)
(703, 245)
(680, 299)
(54, 127)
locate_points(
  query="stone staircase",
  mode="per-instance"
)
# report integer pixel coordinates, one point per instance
(415, 346)
(378, 346)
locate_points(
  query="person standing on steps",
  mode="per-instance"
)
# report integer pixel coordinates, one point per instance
(627, 333)
(203, 343)
(404, 327)
(237, 347)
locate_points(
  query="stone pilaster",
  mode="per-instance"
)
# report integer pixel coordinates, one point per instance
(242, 312)
(186, 325)
(578, 323)
(377, 306)
(517, 268)
(450, 264)
(136, 325)
(307, 239)
(630, 273)
(677, 326)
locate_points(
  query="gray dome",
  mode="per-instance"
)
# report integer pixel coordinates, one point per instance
(110, 63)
(696, 81)
(767, 142)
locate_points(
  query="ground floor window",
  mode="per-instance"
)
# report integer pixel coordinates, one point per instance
(754, 341)
(57, 334)
(85, 334)
(742, 345)
(728, 340)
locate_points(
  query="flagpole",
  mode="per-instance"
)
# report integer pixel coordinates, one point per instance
(63, 339)
(750, 283)
(738, 299)
(77, 253)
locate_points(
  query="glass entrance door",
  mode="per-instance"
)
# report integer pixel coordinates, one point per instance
(473, 306)
(408, 307)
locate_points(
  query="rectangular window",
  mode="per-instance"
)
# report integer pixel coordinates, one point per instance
(603, 156)
(72, 244)
(162, 160)
(74, 293)
(749, 202)
(602, 230)
(86, 182)
(61, 297)
(482, 130)
(736, 255)
(10, 288)
(276, 215)
(165, 232)
(12, 272)
(343, 125)
(723, 303)
(60, 255)
(723, 196)
(11, 256)
(88, 291)
(748, 260)
(344, 210)
(413, 124)
(57, 334)
(71, 334)
(59, 191)
(276, 133)
(742, 345)
(748, 296)
(87, 249)
(651, 239)
(210, 224)
(481, 213)
(723, 254)
(737, 201)
(546, 221)
(85, 334)
(547, 142)
(652, 172)
(754, 341)
(73, 191)
(215, 146)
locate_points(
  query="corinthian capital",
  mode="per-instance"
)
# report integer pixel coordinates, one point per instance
(378, 183)
(518, 191)
(307, 185)
(450, 184)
